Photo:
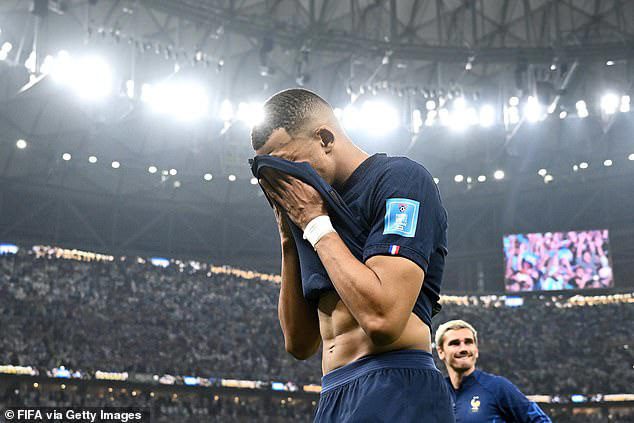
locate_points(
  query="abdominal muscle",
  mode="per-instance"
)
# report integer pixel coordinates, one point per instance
(344, 341)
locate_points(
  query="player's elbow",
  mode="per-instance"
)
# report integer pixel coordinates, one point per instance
(383, 331)
(301, 350)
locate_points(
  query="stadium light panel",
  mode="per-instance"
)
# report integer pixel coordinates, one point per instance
(66, 156)
(575, 168)
(177, 184)
(498, 174)
(430, 105)
(458, 178)
(514, 101)
(459, 103)
(232, 178)
(208, 177)
(436, 180)
(184, 100)
(487, 116)
(417, 121)
(482, 178)
(21, 144)
(92, 159)
(542, 172)
(462, 116)
(351, 117)
(512, 115)
(173, 172)
(254, 181)
(129, 88)
(378, 117)
(631, 157)
(459, 120)
(469, 179)
(582, 109)
(607, 163)
(431, 118)
(250, 113)
(563, 114)
(609, 63)
(115, 164)
(548, 179)
(609, 103)
(533, 111)
(47, 65)
(146, 92)
(152, 169)
(583, 165)
(91, 78)
(29, 64)
(5, 50)
(226, 110)
(625, 104)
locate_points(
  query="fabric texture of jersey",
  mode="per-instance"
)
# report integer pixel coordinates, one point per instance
(388, 206)
(484, 397)
(315, 279)
(398, 386)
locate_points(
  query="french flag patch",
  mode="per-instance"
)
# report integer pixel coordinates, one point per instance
(394, 249)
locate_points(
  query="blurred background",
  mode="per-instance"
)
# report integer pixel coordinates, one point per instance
(134, 241)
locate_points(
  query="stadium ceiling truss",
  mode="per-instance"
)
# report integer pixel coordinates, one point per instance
(341, 48)
(415, 42)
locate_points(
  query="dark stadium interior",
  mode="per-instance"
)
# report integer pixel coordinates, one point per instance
(128, 316)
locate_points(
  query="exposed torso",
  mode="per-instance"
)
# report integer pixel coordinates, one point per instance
(344, 341)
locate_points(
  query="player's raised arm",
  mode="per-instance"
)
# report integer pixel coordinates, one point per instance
(298, 318)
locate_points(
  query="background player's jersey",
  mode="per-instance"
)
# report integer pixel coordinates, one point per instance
(484, 397)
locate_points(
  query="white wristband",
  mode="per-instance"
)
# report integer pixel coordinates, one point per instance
(317, 228)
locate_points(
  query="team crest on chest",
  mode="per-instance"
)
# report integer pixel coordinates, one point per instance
(475, 404)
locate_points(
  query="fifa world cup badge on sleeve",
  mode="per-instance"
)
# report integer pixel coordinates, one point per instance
(401, 217)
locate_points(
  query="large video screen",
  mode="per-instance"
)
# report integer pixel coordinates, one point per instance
(554, 261)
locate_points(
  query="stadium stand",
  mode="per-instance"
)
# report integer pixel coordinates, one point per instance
(129, 315)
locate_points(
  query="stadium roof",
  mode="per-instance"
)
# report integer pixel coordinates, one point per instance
(403, 52)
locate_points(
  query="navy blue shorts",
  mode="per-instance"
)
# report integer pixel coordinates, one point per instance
(396, 387)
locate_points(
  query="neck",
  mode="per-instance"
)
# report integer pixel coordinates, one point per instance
(353, 157)
(457, 376)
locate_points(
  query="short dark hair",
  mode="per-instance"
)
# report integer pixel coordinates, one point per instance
(288, 109)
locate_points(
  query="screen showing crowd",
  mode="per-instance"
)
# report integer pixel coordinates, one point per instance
(555, 261)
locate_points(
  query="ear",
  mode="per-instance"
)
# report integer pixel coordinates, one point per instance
(327, 138)
(441, 353)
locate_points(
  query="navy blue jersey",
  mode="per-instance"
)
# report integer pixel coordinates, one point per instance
(484, 397)
(388, 206)
(398, 201)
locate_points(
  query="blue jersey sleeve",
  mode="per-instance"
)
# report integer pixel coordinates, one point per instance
(407, 218)
(515, 406)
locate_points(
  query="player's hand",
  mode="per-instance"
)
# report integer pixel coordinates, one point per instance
(301, 202)
(282, 224)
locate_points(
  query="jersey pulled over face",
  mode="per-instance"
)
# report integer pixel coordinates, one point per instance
(300, 149)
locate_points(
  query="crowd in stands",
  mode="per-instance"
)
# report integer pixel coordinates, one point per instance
(164, 406)
(130, 315)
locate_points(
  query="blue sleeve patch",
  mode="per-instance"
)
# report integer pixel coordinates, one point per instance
(401, 217)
